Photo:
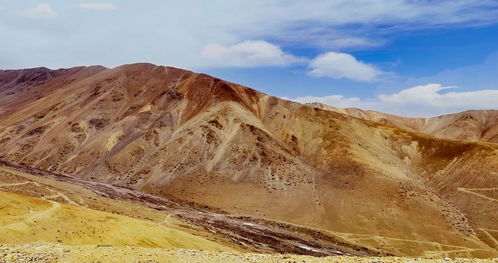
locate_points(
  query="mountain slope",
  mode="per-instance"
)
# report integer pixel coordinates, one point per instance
(23, 217)
(195, 138)
(473, 125)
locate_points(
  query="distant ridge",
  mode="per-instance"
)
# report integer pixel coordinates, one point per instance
(472, 125)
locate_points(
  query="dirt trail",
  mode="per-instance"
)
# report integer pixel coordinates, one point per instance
(56, 194)
(471, 191)
(19, 184)
(491, 237)
(32, 218)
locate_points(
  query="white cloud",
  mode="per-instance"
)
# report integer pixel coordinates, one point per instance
(427, 94)
(341, 65)
(249, 53)
(144, 33)
(420, 101)
(2, 8)
(97, 5)
(430, 95)
(41, 11)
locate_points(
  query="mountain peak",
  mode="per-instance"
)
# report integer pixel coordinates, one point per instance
(195, 139)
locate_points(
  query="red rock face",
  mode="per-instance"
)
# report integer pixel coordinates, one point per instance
(192, 137)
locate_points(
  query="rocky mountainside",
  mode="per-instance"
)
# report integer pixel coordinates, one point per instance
(473, 125)
(193, 138)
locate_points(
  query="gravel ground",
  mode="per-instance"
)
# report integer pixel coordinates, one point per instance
(102, 254)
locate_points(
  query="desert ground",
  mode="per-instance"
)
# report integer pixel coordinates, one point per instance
(74, 254)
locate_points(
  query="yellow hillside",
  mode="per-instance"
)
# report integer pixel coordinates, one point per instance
(30, 220)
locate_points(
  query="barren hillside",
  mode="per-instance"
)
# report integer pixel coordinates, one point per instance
(192, 138)
(473, 125)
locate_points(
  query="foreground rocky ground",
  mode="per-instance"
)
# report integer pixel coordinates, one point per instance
(58, 253)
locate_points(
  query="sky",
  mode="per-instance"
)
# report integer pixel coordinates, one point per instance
(417, 58)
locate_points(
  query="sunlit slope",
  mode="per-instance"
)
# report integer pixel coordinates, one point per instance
(192, 137)
(30, 220)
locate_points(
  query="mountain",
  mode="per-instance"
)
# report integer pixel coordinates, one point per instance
(473, 125)
(195, 139)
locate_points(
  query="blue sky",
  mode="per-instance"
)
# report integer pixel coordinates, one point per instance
(415, 58)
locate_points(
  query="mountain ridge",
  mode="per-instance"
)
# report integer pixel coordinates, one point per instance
(191, 137)
(474, 125)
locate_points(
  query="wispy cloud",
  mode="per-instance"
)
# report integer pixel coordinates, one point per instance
(330, 24)
(249, 53)
(328, 38)
(178, 37)
(97, 6)
(41, 11)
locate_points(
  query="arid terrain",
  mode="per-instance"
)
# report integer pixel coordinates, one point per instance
(100, 160)
(474, 125)
(76, 254)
